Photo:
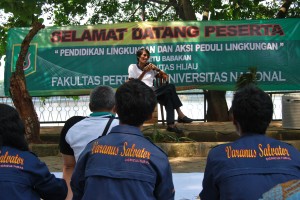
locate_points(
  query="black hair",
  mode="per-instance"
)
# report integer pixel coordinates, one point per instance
(135, 102)
(102, 98)
(252, 108)
(12, 129)
(140, 52)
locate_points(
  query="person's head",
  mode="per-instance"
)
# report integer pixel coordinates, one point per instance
(142, 55)
(102, 98)
(252, 110)
(12, 130)
(135, 103)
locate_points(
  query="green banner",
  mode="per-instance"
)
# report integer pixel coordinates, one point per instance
(208, 55)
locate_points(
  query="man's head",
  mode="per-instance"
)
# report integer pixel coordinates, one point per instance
(252, 110)
(135, 102)
(142, 53)
(102, 98)
(12, 130)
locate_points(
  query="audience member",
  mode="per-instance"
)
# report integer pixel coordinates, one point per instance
(124, 164)
(166, 94)
(254, 163)
(22, 174)
(78, 131)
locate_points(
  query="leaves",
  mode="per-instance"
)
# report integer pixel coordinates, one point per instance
(158, 136)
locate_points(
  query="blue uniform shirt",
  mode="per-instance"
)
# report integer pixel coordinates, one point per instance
(248, 167)
(122, 165)
(24, 176)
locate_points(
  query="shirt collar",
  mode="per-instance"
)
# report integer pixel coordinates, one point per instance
(98, 114)
(127, 129)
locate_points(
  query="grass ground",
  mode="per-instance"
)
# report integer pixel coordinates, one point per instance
(178, 164)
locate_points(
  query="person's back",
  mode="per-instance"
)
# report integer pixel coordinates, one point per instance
(249, 167)
(254, 163)
(22, 174)
(78, 131)
(102, 102)
(124, 164)
(88, 129)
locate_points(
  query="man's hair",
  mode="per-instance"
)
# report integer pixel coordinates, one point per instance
(252, 108)
(135, 102)
(102, 98)
(140, 52)
(12, 130)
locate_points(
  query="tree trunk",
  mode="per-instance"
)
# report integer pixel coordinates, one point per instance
(187, 10)
(217, 109)
(284, 9)
(184, 9)
(19, 94)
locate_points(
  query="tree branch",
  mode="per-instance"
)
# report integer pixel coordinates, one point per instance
(134, 12)
(162, 2)
(284, 9)
(178, 9)
(36, 27)
(205, 15)
(162, 12)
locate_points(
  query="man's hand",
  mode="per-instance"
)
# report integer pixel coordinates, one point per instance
(148, 68)
(164, 75)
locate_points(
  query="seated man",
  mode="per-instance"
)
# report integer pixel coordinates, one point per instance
(124, 164)
(254, 163)
(166, 94)
(79, 131)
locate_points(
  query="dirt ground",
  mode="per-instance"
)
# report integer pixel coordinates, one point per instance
(178, 164)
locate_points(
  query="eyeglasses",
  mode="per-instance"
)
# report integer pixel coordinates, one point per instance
(145, 55)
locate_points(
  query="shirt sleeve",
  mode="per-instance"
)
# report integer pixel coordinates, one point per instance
(165, 187)
(131, 71)
(78, 177)
(64, 147)
(209, 189)
(45, 183)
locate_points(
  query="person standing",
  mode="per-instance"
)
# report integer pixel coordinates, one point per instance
(22, 174)
(78, 131)
(124, 164)
(166, 94)
(254, 163)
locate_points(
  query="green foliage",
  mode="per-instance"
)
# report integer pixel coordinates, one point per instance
(75, 98)
(43, 99)
(3, 36)
(23, 14)
(25, 11)
(157, 136)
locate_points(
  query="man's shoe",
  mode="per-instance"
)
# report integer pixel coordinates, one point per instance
(185, 119)
(174, 129)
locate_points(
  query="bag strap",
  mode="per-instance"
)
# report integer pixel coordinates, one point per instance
(107, 126)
